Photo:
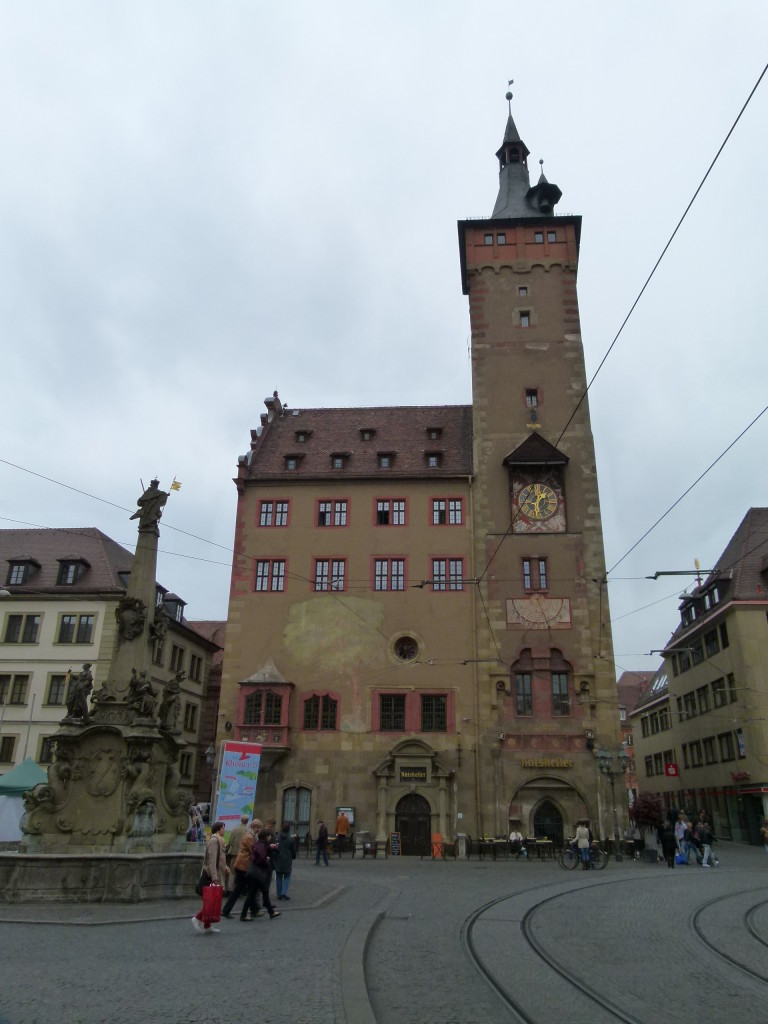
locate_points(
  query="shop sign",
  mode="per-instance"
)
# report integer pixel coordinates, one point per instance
(413, 774)
(545, 762)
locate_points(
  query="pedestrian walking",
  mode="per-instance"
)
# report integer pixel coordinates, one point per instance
(669, 844)
(705, 837)
(286, 851)
(259, 875)
(233, 848)
(321, 843)
(241, 865)
(216, 867)
(582, 844)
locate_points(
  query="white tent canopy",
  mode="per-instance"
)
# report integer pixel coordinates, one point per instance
(13, 784)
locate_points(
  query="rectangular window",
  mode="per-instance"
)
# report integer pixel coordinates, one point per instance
(76, 629)
(328, 713)
(69, 573)
(710, 643)
(649, 767)
(684, 661)
(19, 690)
(266, 513)
(542, 573)
(709, 750)
(433, 713)
(281, 513)
(7, 744)
(663, 719)
(686, 762)
(689, 703)
(654, 720)
(527, 573)
(532, 397)
(331, 513)
(560, 703)
(270, 574)
(47, 747)
(273, 708)
(524, 693)
(732, 688)
(22, 629)
(551, 236)
(311, 713)
(525, 318)
(645, 727)
(447, 511)
(190, 716)
(725, 740)
(488, 239)
(383, 513)
(669, 757)
(538, 237)
(57, 690)
(702, 696)
(680, 712)
(85, 629)
(658, 764)
(439, 517)
(322, 570)
(697, 653)
(719, 696)
(723, 635)
(391, 712)
(389, 574)
(674, 665)
(177, 658)
(17, 573)
(501, 238)
(695, 751)
(185, 765)
(448, 574)
(195, 667)
(522, 289)
(253, 708)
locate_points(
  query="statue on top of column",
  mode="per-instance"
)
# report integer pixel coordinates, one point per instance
(150, 509)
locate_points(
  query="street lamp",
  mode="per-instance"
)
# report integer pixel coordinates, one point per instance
(210, 759)
(605, 764)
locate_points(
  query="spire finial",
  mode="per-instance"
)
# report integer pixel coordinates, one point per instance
(508, 96)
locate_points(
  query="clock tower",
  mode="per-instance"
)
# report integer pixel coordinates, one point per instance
(545, 675)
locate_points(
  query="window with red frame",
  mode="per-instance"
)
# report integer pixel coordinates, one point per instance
(273, 513)
(330, 574)
(320, 712)
(447, 511)
(389, 574)
(270, 574)
(447, 573)
(331, 513)
(263, 707)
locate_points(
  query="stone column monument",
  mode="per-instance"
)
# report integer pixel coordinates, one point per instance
(114, 787)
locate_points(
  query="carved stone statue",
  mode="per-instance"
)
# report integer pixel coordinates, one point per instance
(142, 695)
(139, 769)
(131, 614)
(150, 509)
(171, 704)
(176, 798)
(77, 696)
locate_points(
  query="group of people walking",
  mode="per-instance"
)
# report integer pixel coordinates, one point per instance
(244, 866)
(680, 838)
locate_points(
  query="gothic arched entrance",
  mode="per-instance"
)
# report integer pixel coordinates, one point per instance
(413, 817)
(548, 823)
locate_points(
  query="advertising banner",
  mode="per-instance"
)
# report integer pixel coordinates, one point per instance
(238, 774)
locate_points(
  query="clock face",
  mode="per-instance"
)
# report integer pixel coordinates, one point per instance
(537, 501)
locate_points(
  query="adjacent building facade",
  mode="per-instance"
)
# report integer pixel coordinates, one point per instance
(700, 730)
(418, 625)
(59, 591)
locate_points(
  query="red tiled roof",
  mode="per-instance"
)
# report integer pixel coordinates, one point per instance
(402, 431)
(105, 559)
(631, 687)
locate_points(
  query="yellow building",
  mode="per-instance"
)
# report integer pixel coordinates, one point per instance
(417, 626)
(700, 730)
(59, 591)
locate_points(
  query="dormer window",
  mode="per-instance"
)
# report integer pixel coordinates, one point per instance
(302, 436)
(70, 571)
(338, 459)
(433, 459)
(367, 433)
(19, 570)
(292, 462)
(433, 433)
(174, 606)
(386, 459)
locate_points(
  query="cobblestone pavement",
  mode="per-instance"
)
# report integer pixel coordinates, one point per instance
(385, 942)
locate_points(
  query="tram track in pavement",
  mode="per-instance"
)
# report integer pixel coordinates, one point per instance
(715, 943)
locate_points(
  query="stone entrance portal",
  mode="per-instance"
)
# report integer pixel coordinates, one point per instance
(412, 820)
(548, 823)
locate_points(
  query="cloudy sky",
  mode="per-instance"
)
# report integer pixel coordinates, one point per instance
(202, 203)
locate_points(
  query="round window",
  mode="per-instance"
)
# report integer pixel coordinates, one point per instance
(406, 648)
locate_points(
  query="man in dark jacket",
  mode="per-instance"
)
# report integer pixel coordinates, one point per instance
(321, 843)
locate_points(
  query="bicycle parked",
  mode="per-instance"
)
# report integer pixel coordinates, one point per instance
(569, 857)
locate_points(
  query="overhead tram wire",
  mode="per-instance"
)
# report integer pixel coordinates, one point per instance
(637, 300)
(686, 492)
(663, 253)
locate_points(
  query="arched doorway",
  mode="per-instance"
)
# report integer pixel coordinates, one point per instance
(548, 823)
(413, 817)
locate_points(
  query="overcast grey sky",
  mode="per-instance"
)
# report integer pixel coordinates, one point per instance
(202, 203)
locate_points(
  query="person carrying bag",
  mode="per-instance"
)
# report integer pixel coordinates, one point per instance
(215, 867)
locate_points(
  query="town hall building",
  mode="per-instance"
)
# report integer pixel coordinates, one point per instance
(418, 626)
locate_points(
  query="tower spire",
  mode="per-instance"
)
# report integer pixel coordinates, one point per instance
(516, 198)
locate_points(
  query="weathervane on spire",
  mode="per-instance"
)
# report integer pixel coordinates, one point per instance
(508, 97)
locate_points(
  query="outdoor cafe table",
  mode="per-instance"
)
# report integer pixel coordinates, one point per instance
(496, 847)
